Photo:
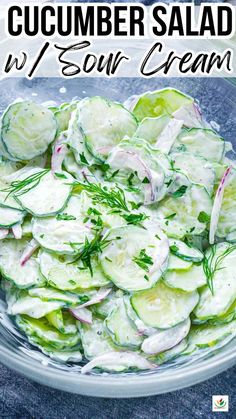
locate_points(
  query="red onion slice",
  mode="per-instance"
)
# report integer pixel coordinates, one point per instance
(28, 252)
(127, 158)
(169, 134)
(82, 314)
(190, 115)
(166, 339)
(58, 155)
(3, 233)
(100, 295)
(17, 231)
(117, 360)
(218, 202)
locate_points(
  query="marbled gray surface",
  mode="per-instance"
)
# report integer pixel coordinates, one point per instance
(21, 398)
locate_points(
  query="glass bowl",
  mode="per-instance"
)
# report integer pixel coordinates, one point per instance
(217, 100)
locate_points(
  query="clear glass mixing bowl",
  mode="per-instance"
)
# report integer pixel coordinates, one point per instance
(217, 98)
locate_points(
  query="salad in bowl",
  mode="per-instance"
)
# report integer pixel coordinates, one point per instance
(117, 228)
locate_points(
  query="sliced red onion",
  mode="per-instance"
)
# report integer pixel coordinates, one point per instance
(104, 150)
(166, 339)
(58, 155)
(162, 248)
(118, 360)
(17, 231)
(100, 295)
(28, 252)
(218, 202)
(82, 314)
(190, 115)
(169, 134)
(128, 158)
(3, 233)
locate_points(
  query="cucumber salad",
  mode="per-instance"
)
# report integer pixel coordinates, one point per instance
(117, 229)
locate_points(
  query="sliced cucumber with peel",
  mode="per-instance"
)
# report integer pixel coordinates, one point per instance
(110, 123)
(62, 273)
(221, 260)
(55, 192)
(121, 329)
(40, 332)
(194, 141)
(163, 307)
(160, 102)
(22, 276)
(176, 221)
(122, 258)
(184, 251)
(186, 280)
(27, 129)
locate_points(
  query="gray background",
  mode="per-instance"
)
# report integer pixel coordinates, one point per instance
(23, 399)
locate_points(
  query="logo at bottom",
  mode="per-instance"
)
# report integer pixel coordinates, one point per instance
(220, 403)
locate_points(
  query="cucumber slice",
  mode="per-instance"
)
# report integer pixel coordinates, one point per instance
(177, 264)
(186, 280)
(24, 276)
(9, 217)
(56, 234)
(104, 308)
(33, 307)
(221, 261)
(27, 129)
(171, 354)
(185, 252)
(150, 128)
(123, 260)
(231, 237)
(196, 168)
(51, 294)
(39, 332)
(163, 307)
(178, 216)
(8, 167)
(226, 224)
(62, 114)
(194, 141)
(63, 321)
(75, 141)
(95, 339)
(160, 102)
(103, 125)
(228, 317)
(205, 336)
(64, 356)
(61, 273)
(7, 200)
(54, 190)
(120, 328)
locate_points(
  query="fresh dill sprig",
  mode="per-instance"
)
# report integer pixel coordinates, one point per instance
(85, 251)
(211, 264)
(143, 260)
(112, 198)
(20, 187)
(135, 219)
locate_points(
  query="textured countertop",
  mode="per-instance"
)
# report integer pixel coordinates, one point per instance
(21, 398)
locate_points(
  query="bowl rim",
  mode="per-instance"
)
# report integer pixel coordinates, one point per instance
(119, 386)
